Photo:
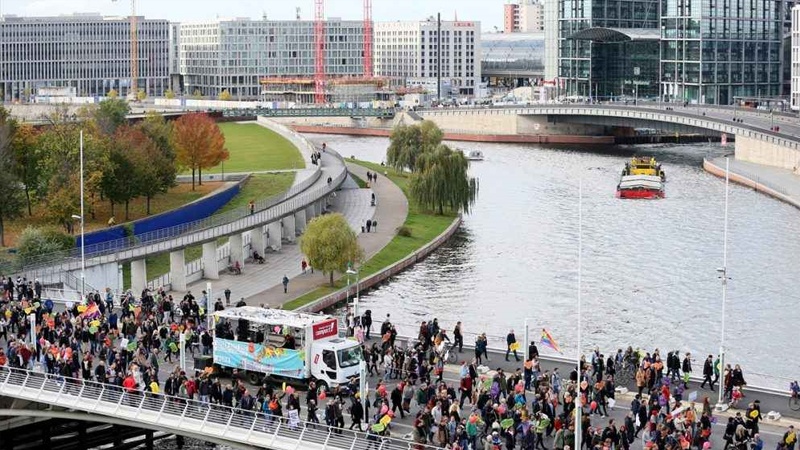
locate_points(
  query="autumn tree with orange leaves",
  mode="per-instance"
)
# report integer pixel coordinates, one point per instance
(199, 144)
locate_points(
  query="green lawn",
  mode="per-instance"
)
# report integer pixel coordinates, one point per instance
(254, 148)
(259, 186)
(361, 183)
(424, 225)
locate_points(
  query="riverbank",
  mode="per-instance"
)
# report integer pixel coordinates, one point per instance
(462, 137)
(780, 184)
(426, 232)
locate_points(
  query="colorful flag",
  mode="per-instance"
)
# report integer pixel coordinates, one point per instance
(547, 340)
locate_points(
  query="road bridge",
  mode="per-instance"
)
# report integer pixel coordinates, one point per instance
(88, 400)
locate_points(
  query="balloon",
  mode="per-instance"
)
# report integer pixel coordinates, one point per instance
(8, 314)
(506, 423)
(94, 323)
(323, 395)
(593, 405)
(93, 329)
(81, 308)
(501, 409)
(276, 329)
(384, 409)
(289, 390)
(378, 427)
(473, 419)
(584, 385)
(519, 388)
(386, 419)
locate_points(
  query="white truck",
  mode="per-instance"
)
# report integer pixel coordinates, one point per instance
(289, 346)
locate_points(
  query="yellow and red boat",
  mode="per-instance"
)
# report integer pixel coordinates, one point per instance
(642, 178)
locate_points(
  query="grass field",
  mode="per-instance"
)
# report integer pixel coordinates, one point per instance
(254, 148)
(259, 186)
(424, 226)
(174, 198)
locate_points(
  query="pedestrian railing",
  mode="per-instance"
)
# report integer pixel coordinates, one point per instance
(188, 417)
(196, 232)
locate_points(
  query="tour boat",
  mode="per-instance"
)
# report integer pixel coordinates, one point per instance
(475, 155)
(641, 178)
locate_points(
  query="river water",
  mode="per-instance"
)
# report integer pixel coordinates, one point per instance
(649, 268)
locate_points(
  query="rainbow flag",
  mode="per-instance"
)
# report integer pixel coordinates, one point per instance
(547, 340)
(91, 311)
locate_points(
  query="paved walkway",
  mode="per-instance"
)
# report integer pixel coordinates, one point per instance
(390, 212)
(780, 180)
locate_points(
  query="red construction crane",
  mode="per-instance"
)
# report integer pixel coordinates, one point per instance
(319, 51)
(368, 71)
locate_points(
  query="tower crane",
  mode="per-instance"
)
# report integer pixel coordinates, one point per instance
(134, 88)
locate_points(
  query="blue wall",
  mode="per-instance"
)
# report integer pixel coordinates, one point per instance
(197, 210)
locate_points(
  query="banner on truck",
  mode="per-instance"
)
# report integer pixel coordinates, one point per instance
(325, 329)
(259, 358)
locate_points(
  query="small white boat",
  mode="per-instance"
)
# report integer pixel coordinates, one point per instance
(475, 155)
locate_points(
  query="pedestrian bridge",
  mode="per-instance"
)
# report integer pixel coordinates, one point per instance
(88, 400)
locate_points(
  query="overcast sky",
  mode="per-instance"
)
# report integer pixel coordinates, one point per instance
(489, 12)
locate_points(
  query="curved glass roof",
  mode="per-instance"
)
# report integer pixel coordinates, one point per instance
(513, 51)
(602, 34)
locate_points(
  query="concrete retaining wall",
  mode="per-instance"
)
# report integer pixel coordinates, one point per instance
(714, 169)
(387, 272)
(463, 137)
(762, 152)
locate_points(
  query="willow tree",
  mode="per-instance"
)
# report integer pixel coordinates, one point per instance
(408, 142)
(330, 244)
(441, 181)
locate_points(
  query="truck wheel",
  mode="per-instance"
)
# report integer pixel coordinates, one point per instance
(322, 387)
(254, 378)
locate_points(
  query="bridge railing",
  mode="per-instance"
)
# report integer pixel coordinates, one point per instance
(185, 416)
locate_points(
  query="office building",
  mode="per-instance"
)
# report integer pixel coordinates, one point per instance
(86, 53)
(238, 54)
(795, 58)
(551, 40)
(406, 50)
(523, 16)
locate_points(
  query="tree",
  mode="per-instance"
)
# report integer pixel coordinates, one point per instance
(13, 200)
(111, 114)
(160, 132)
(141, 94)
(112, 94)
(27, 160)
(131, 170)
(35, 242)
(225, 95)
(198, 143)
(442, 181)
(169, 94)
(197, 94)
(407, 143)
(330, 244)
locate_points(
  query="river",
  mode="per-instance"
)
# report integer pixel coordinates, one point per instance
(649, 268)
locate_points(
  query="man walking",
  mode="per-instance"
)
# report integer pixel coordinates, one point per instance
(511, 345)
(687, 369)
(285, 284)
(708, 371)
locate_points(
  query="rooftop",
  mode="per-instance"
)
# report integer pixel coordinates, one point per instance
(272, 316)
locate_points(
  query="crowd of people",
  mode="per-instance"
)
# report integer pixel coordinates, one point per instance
(125, 341)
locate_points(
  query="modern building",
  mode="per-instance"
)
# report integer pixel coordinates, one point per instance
(512, 60)
(413, 50)
(523, 16)
(795, 58)
(551, 40)
(237, 54)
(701, 51)
(87, 52)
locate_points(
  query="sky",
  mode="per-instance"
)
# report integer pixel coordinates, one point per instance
(488, 12)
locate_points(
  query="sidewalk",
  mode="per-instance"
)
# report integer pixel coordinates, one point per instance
(390, 212)
(776, 180)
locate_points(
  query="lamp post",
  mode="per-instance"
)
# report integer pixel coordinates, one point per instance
(82, 218)
(349, 272)
(721, 404)
(579, 398)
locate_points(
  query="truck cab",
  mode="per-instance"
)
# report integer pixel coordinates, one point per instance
(335, 361)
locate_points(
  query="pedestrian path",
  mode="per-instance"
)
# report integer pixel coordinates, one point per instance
(390, 213)
(783, 181)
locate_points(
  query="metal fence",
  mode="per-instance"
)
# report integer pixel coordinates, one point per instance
(189, 417)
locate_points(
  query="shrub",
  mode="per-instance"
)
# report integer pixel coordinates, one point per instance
(38, 241)
(404, 231)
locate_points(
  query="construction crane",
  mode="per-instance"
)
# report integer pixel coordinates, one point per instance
(134, 88)
(368, 36)
(319, 51)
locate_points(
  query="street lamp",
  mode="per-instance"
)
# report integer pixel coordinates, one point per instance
(349, 272)
(721, 404)
(579, 397)
(83, 259)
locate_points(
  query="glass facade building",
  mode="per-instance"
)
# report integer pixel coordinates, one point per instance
(694, 51)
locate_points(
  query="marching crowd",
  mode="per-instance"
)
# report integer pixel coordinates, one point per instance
(125, 341)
